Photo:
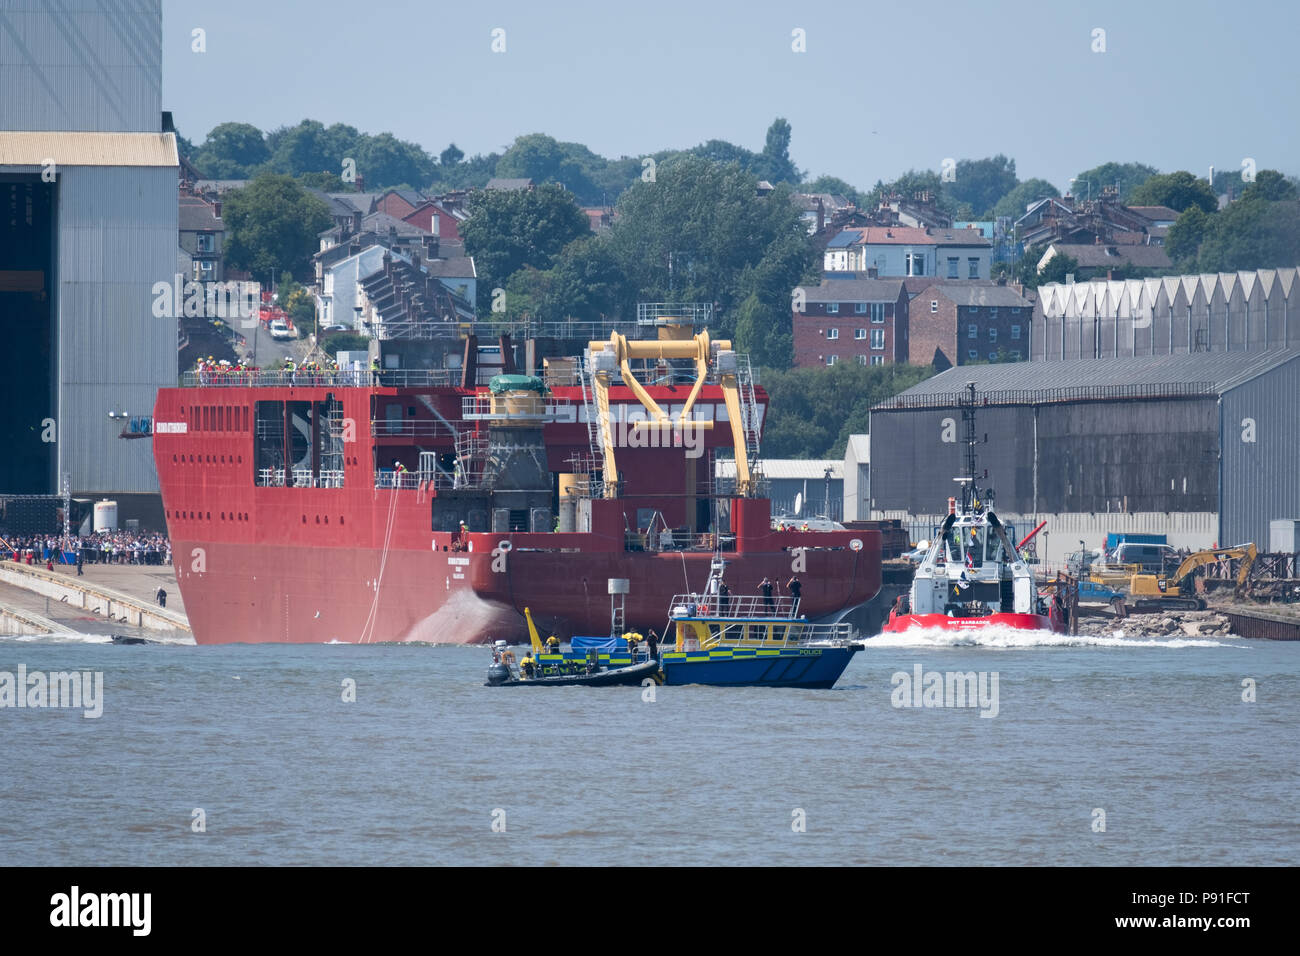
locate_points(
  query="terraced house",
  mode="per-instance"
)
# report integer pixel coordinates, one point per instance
(851, 320)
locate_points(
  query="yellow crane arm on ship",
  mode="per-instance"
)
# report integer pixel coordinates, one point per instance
(620, 351)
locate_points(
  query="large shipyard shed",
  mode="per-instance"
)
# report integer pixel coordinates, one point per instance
(88, 227)
(1209, 433)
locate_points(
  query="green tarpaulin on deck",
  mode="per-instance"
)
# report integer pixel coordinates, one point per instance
(517, 383)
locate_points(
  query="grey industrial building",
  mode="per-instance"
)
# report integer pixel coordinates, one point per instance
(88, 227)
(1209, 434)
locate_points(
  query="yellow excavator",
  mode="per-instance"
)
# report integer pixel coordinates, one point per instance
(1155, 593)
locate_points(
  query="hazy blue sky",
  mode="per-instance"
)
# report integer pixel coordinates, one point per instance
(881, 88)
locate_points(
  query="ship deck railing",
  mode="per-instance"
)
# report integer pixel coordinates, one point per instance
(409, 428)
(738, 606)
(476, 407)
(306, 378)
(387, 478)
(300, 478)
(773, 633)
(661, 541)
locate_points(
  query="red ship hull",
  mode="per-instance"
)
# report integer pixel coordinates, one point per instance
(306, 595)
(360, 563)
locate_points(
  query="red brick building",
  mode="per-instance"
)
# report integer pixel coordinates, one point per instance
(957, 324)
(428, 212)
(398, 203)
(851, 320)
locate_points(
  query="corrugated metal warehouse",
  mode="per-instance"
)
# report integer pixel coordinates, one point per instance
(1207, 433)
(88, 188)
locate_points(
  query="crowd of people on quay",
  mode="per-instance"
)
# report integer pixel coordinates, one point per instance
(104, 547)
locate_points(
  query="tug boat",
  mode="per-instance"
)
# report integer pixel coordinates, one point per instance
(971, 575)
(725, 640)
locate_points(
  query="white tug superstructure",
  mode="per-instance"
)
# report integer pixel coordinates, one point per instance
(972, 576)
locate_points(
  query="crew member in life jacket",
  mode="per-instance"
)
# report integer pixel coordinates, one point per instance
(553, 645)
(528, 667)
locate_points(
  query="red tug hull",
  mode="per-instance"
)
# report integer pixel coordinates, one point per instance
(899, 623)
(361, 563)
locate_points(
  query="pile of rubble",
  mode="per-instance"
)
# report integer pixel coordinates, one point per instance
(1162, 624)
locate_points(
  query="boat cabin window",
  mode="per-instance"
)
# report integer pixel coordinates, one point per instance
(974, 538)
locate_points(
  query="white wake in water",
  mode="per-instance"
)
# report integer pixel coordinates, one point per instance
(999, 635)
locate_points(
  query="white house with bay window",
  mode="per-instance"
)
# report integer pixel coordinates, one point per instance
(903, 251)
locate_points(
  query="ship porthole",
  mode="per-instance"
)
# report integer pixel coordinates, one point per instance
(304, 519)
(318, 519)
(341, 519)
(327, 519)
(241, 460)
(223, 516)
(209, 515)
(173, 459)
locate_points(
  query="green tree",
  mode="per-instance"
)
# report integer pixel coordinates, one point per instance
(338, 143)
(273, 224)
(231, 151)
(510, 229)
(1185, 236)
(815, 410)
(304, 149)
(297, 300)
(1177, 190)
(912, 182)
(472, 173)
(1015, 202)
(451, 155)
(535, 156)
(1056, 270)
(700, 233)
(774, 163)
(325, 182)
(585, 283)
(1269, 185)
(1128, 176)
(384, 161)
(980, 183)
(720, 151)
(1251, 234)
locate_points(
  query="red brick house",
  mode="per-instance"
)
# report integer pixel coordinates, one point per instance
(851, 320)
(399, 203)
(958, 324)
(428, 212)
